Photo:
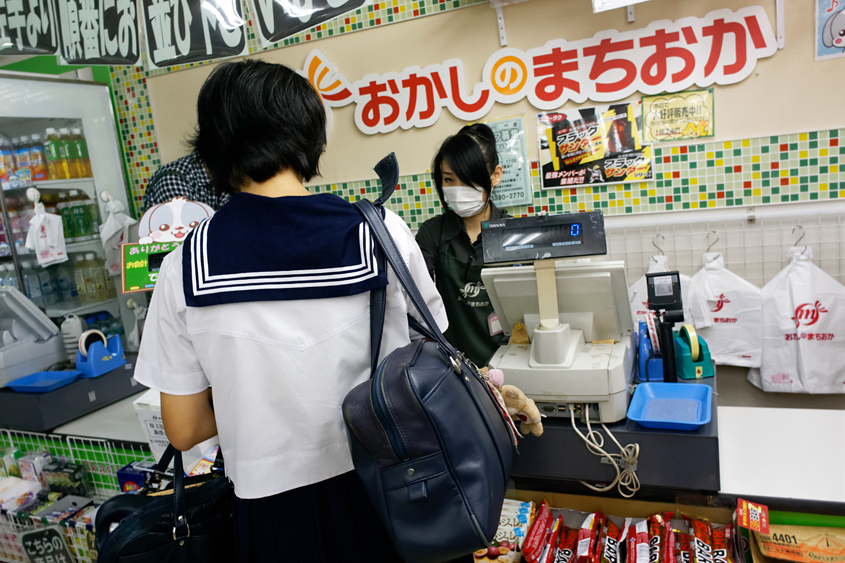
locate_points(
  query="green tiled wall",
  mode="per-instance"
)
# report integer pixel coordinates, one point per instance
(765, 170)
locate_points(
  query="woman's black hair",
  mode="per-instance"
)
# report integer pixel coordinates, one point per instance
(472, 156)
(256, 119)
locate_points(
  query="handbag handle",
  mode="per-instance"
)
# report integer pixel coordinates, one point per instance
(181, 529)
(388, 170)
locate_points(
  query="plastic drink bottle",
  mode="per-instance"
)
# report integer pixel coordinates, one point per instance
(64, 209)
(80, 215)
(22, 170)
(13, 170)
(37, 164)
(64, 154)
(77, 169)
(6, 162)
(32, 284)
(85, 297)
(95, 281)
(93, 211)
(53, 155)
(49, 287)
(81, 154)
(67, 286)
(111, 290)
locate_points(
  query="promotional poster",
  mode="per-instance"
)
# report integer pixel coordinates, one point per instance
(593, 146)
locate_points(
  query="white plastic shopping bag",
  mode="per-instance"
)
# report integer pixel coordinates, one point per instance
(46, 237)
(735, 335)
(114, 232)
(803, 330)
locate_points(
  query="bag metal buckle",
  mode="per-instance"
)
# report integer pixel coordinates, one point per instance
(186, 527)
(456, 365)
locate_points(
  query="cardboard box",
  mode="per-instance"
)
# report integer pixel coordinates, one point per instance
(802, 544)
(148, 409)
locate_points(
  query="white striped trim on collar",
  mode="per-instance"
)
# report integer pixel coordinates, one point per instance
(203, 283)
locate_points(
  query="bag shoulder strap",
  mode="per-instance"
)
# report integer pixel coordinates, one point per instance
(388, 170)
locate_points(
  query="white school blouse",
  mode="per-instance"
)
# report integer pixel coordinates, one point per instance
(279, 369)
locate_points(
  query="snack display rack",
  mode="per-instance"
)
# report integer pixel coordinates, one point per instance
(102, 459)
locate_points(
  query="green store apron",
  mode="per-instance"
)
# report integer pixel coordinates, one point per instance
(467, 306)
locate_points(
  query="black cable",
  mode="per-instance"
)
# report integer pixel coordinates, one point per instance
(650, 356)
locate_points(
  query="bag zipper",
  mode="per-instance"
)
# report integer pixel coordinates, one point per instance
(379, 403)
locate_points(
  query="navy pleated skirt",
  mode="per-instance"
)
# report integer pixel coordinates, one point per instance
(325, 522)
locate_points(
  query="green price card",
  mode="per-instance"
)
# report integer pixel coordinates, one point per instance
(140, 263)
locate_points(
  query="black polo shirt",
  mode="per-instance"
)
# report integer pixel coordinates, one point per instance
(451, 225)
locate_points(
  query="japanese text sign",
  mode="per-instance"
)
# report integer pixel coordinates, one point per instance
(753, 516)
(278, 19)
(592, 146)
(101, 32)
(187, 31)
(672, 117)
(512, 148)
(46, 545)
(28, 27)
(721, 48)
(140, 263)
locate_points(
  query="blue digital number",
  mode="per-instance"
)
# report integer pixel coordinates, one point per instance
(574, 230)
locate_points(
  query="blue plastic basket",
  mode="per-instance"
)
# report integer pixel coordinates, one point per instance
(671, 406)
(43, 381)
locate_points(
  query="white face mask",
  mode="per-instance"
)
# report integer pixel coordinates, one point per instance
(464, 200)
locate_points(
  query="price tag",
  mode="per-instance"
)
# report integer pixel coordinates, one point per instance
(754, 517)
(45, 545)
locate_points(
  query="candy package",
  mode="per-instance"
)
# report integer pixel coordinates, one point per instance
(537, 533)
(589, 538)
(566, 545)
(549, 549)
(661, 542)
(638, 542)
(722, 541)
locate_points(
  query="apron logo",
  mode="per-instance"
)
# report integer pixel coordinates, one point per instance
(807, 314)
(472, 289)
(720, 302)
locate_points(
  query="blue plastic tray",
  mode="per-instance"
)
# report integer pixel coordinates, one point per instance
(43, 381)
(671, 406)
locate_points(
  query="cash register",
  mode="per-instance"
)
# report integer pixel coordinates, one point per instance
(29, 341)
(580, 347)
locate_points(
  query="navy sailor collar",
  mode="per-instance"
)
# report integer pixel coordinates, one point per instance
(276, 249)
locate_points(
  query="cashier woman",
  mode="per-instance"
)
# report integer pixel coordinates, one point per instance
(466, 168)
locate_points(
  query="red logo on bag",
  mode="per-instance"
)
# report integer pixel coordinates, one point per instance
(808, 314)
(720, 302)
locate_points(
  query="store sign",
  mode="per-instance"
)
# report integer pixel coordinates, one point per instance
(681, 116)
(28, 27)
(179, 32)
(721, 48)
(45, 544)
(512, 148)
(140, 264)
(278, 19)
(592, 146)
(98, 32)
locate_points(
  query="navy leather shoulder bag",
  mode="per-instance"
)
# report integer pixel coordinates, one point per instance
(429, 440)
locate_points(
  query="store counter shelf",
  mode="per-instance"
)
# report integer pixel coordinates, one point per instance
(45, 412)
(92, 245)
(673, 459)
(71, 184)
(110, 305)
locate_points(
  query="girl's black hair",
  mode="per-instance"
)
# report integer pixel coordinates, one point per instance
(256, 119)
(472, 156)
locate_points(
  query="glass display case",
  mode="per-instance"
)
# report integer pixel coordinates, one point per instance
(59, 137)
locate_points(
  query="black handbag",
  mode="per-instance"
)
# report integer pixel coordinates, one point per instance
(429, 439)
(192, 522)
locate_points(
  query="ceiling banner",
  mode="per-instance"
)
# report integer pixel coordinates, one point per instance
(721, 48)
(28, 27)
(98, 32)
(179, 32)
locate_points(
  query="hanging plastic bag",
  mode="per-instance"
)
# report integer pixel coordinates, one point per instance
(46, 237)
(803, 330)
(134, 336)
(734, 335)
(113, 233)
